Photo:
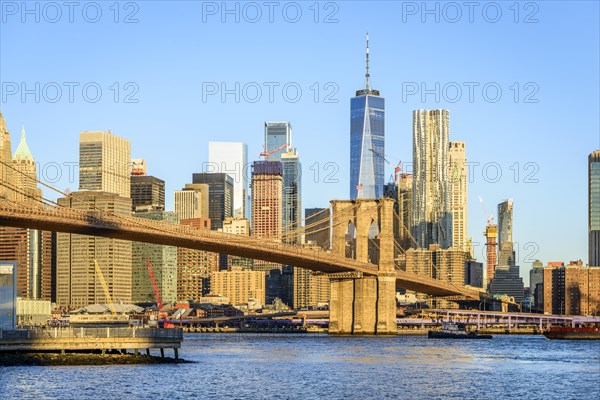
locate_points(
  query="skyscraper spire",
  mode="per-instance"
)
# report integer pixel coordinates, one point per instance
(23, 152)
(367, 76)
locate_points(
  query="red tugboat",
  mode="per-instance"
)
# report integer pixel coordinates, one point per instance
(573, 333)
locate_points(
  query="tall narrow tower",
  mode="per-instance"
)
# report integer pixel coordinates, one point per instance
(458, 194)
(491, 235)
(594, 208)
(367, 140)
(6, 173)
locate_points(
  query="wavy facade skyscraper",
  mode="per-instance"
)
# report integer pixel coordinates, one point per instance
(431, 206)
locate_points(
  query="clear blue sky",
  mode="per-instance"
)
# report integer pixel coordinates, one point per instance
(176, 48)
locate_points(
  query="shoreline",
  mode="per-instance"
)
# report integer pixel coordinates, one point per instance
(78, 359)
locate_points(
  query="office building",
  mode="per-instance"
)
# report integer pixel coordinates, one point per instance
(506, 281)
(231, 158)
(8, 295)
(195, 266)
(278, 140)
(536, 284)
(192, 202)
(32, 250)
(572, 289)
(104, 163)
(474, 274)
(431, 212)
(291, 196)
(163, 261)
(24, 172)
(240, 287)
(220, 196)
(594, 208)
(367, 141)
(267, 186)
(147, 193)
(458, 194)
(6, 173)
(77, 283)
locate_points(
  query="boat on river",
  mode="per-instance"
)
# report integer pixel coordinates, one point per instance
(573, 333)
(455, 331)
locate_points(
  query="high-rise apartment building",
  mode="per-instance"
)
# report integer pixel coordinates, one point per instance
(192, 202)
(267, 183)
(291, 196)
(232, 158)
(367, 141)
(147, 193)
(506, 254)
(278, 139)
(431, 208)
(458, 194)
(104, 161)
(77, 283)
(220, 196)
(506, 281)
(236, 226)
(594, 208)
(310, 289)
(572, 289)
(239, 286)
(474, 274)
(163, 261)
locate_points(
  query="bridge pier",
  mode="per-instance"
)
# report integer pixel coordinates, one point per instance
(364, 304)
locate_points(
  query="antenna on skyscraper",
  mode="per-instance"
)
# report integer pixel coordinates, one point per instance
(367, 74)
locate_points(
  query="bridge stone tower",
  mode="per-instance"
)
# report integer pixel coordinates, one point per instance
(363, 305)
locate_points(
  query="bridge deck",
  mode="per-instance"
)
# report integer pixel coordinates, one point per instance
(98, 223)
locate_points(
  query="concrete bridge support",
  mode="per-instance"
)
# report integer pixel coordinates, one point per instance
(364, 304)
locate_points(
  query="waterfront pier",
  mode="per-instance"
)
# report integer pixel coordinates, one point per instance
(82, 340)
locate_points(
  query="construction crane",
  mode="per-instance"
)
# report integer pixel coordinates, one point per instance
(397, 168)
(109, 300)
(266, 153)
(490, 217)
(154, 286)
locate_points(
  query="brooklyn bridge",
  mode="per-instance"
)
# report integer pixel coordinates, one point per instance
(362, 292)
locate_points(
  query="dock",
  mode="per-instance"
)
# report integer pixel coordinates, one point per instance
(63, 340)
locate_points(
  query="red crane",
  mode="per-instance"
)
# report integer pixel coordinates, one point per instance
(154, 286)
(266, 153)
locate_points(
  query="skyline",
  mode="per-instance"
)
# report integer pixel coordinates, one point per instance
(561, 166)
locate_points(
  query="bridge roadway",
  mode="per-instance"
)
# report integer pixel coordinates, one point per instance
(98, 223)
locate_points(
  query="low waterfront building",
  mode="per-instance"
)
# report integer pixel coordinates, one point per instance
(33, 312)
(8, 295)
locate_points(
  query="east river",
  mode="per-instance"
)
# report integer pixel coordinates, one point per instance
(253, 366)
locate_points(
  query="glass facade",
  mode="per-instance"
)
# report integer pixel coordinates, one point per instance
(594, 208)
(291, 195)
(8, 285)
(278, 135)
(367, 145)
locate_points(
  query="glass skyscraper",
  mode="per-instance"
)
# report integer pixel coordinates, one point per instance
(594, 208)
(367, 141)
(278, 139)
(291, 195)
